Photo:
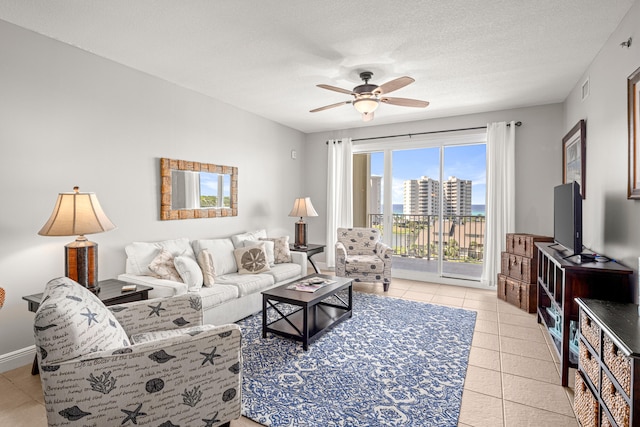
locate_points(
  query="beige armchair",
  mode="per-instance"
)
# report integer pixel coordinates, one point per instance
(360, 255)
(149, 362)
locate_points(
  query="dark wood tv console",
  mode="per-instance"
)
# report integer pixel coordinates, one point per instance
(560, 281)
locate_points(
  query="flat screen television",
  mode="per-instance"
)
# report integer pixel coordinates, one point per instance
(567, 217)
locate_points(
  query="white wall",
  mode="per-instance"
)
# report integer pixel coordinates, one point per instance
(611, 223)
(538, 161)
(68, 117)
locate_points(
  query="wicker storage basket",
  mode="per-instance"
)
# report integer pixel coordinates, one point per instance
(615, 402)
(618, 363)
(605, 421)
(585, 404)
(590, 365)
(590, 331)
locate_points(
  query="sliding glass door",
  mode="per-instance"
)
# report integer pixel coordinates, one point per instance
(428, 200)
(464, 184)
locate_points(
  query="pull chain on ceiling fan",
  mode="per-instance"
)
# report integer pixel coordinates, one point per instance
(368, 96)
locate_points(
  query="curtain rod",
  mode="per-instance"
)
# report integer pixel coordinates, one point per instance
(424, 133)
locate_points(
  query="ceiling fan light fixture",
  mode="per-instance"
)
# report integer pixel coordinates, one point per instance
(367, 117)
(367, 96)
(366, 104)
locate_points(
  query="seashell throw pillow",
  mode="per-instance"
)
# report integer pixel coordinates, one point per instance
(252, 260)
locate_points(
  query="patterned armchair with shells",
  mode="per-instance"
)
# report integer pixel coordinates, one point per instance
(361, 256)
(149, 362)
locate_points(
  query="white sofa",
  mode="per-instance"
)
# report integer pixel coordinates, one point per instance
(234, 295)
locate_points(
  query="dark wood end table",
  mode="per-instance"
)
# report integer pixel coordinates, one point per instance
(315, 315)
(310, 250)
(110, 294)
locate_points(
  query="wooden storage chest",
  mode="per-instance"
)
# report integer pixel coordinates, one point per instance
(524, 244)
(519, 267)
(520, 294)
(518, 273)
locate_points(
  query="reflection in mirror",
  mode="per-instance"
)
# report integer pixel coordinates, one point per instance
(200, 190)
(185, 190)
(215, 190)
(197, 190)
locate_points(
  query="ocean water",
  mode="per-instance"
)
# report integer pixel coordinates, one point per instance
(478, 209)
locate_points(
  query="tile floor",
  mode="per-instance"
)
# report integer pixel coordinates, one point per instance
(512, 379)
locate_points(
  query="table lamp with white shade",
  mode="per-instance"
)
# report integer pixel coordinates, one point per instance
(77, 214)
(302, 207)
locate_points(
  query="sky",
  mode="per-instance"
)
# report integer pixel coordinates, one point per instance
(463, 162)
(209, 184)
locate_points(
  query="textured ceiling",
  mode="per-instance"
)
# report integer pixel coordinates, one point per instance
(266, 56)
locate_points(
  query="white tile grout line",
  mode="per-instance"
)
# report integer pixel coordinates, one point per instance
(504, 409)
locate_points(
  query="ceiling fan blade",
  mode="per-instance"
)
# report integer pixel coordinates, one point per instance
(336, 89)
(367, 117)
(405, 102)
(326, 107)
(394, 84)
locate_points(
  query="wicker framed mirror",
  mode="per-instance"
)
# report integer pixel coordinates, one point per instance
(191, 190)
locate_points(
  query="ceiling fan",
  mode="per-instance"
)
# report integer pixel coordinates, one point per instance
(367, 96)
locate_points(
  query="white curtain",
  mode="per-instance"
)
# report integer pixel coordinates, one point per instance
(339, 193)
(500, 210)
(186, 186)
(192, 190)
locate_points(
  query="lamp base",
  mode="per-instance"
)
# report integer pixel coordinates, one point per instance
(301, 235)
(81, 264)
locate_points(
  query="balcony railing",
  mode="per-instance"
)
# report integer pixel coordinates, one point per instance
(419, 236)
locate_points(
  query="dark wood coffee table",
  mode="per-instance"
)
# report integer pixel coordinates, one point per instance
(315, 315)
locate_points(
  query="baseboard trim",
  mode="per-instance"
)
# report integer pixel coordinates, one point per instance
(15, 359)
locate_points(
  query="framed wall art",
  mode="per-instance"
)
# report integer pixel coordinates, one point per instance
(633, 96)
(574, 156)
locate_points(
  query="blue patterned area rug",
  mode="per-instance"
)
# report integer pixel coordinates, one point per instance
(394, 363)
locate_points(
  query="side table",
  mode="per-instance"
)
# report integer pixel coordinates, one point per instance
(110, 294)
(310, 250)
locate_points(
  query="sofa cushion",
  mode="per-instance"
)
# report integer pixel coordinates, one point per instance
(365, 264)
(189, 271)
(140, 254)
(268, 247)
(285, 271)
(281, 248)
(247, 283)
(72, 322)
(205, 261)
(251, 260)
(218, 294)
(238, 239)
(222, 253)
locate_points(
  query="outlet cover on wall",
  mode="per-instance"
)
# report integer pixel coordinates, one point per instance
(294, 155)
